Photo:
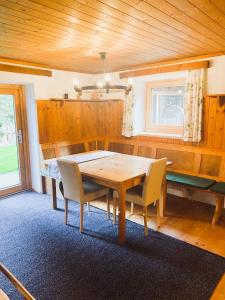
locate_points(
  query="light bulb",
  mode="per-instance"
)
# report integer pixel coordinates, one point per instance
(76, 82)
(130, 81)
(107, 77)
(99, 84)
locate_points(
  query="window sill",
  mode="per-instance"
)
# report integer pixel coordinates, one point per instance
(161, 135)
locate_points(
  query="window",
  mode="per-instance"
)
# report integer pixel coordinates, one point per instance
(165, 107)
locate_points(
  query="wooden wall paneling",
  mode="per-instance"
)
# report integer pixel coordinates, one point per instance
(181, 160)
(211, 123)
(121, 148)
(219, 126)
(144, 151)
(210, 165)
(206, 104)
(197, 162)
(101, 145)
(92, 145)
(68, 148)
(135, 152)
(57, 121)
(66, 120)
(48, 151)
(154, 152)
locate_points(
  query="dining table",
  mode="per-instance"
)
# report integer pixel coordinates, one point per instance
(114, 170)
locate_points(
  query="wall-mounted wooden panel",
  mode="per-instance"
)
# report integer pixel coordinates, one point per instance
(145, 151)
(92, 145)
(121, 148)
(48, 151)
(181, 160)
(210, 165)
(100, 145)
(66, 120)
(63, 150)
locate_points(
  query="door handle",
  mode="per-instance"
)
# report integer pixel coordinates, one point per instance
(20, 136)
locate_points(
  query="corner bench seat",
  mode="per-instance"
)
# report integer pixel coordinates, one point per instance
(204, 184)
(192, 181)
(218, 188)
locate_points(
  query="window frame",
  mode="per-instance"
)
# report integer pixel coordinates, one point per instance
(160, 129)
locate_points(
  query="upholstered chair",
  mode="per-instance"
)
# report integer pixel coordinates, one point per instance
(77, 190)
(149, 192)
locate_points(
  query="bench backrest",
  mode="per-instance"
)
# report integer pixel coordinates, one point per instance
(186, 159)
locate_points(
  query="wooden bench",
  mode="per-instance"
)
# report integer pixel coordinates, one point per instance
(54, 150)
(201, 184)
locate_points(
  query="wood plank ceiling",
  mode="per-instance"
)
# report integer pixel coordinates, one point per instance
(69, 34)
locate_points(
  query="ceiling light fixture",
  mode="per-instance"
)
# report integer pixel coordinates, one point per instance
(103, 84)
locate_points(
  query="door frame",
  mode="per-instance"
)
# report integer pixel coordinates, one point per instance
(24, 155)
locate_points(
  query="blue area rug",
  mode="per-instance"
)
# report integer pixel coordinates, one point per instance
(55, 261)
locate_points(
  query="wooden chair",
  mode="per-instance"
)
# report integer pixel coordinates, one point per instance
(150, 192)
(77, 190)
(18, 285)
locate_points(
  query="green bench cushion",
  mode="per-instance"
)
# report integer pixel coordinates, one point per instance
(194, 181)
(219, 188)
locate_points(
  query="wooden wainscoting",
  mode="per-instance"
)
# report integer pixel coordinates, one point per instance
(66, 120)
(99, 125)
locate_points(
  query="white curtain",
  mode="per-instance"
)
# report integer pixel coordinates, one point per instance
(128, 115)
(193, 106)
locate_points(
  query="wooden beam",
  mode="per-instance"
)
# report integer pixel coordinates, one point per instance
(23, 62)
(171, 62)
(38, 65)
(24, 70)
(165, 69)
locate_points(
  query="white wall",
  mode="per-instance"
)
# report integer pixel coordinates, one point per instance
(216, 76)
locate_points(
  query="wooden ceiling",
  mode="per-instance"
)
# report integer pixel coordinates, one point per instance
(69, 34)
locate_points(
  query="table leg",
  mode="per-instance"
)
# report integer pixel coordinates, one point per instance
(122, 211)
(53, 194)
(162, 202)
(43, 183)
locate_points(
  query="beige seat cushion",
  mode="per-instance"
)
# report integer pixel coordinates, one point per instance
(93, 190)
(3, 296)
(133, 195)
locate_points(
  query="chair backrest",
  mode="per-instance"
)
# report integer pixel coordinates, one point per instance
(153, 181)
(71, 179)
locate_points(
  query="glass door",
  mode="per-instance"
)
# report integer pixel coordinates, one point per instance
(14, 161)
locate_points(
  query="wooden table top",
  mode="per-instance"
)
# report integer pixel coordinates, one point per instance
(117, 168)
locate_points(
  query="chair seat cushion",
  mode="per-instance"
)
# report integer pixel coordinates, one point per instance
(194, 181)
(133, 195)
(218, 187)
(93, 190)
